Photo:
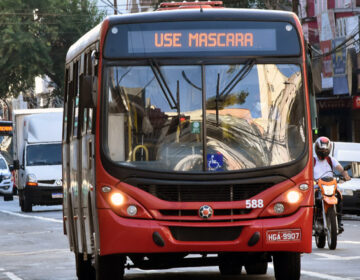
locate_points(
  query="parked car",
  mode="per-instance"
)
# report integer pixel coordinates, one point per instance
(6, 184)
(348, 153)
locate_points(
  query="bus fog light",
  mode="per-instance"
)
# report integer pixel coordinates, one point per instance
(117, 199)
(293, 196)
(132, 210)
(279, 208)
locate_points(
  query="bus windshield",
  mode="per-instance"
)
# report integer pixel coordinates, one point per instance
(204, 118)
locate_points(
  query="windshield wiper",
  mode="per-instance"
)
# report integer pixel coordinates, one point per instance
(163, 85)
(190, 82)
(238, 77)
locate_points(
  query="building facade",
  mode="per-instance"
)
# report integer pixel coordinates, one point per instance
(332, 28)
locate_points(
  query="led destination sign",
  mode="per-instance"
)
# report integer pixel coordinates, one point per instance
(202, 40)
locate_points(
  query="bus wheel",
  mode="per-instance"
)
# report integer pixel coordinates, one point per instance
(287, 265)
(230, 264)
(256, 268)
(110, 267)
(84, 269)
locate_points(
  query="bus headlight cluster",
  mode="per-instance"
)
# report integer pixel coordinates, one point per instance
(123, 204)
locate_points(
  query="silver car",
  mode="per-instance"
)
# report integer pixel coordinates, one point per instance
(6, 184)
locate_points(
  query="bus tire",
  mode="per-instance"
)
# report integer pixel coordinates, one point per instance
(256, 268)
(8, 197)
(110, 267)
(332, 229)
(84, 269)
(287, 265)
(320, 240)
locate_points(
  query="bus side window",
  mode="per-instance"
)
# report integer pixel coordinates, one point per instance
(75, 95)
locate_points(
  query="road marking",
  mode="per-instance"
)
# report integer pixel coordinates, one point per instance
(349, 242)
(318, 275)
(32, 217)
(12, 276)
(345, 242)
(336, 258)
(17, 253)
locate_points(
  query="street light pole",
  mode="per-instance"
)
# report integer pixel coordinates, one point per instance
(115, 7)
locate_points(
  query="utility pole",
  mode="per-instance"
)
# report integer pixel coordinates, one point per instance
(295, 6)
(115, 7)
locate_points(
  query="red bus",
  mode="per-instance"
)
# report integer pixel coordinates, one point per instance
(187, 142)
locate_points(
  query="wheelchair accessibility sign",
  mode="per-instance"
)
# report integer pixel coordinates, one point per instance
(215, 162)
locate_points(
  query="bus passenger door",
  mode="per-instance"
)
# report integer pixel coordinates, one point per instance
(67, 204)
(75, 165)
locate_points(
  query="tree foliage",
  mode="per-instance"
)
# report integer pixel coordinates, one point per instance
(35, 36)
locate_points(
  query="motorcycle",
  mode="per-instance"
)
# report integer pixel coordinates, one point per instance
(325, 224)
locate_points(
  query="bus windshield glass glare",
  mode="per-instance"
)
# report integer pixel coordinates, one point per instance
(202, 38)
(210, 118)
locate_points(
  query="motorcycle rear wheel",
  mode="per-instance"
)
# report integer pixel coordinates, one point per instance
(332, 229)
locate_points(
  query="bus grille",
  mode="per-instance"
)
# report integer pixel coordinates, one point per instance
(205, 233)
(204, 193)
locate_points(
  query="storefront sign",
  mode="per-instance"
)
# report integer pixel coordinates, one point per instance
(327, 104)
(339, 57)
(356, 102)
(327, 67)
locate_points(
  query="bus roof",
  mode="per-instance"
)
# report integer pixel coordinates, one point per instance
(179, 15)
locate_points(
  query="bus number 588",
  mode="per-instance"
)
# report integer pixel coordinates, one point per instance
(254, 203)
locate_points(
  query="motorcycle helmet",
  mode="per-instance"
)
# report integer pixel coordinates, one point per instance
(322, 147)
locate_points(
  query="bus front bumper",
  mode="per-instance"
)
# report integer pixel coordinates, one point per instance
(123, 235)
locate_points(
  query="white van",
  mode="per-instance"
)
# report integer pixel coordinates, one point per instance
(6, 184)
(348, 153)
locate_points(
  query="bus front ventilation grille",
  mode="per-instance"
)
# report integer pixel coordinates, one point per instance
(204, 193)
(195, 213)
(205, 233)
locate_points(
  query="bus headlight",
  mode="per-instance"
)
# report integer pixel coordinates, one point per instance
(293, 196)
(117, 199)
(289, 201)
(123, 204)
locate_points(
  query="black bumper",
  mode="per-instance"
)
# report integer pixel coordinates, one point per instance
(44, 195)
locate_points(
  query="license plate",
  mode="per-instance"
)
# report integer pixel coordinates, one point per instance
(283, 235)
(57, 195)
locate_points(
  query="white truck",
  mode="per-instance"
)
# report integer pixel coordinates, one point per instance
(37, 156)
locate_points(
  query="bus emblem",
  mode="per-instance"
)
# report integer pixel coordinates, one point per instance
(205, 212)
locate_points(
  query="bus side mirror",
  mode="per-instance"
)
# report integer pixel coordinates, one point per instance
(11, 167)
(16, 165)
(87, 89)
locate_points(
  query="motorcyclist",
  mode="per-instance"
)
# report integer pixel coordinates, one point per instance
(325, 165)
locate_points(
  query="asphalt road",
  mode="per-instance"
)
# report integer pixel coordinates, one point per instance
(33, 247)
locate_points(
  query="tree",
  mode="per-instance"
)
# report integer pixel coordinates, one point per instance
(35, 36)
